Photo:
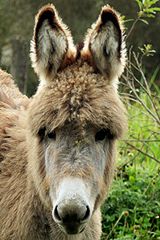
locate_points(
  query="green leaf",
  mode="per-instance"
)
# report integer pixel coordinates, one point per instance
(139, 4)
(144, 21)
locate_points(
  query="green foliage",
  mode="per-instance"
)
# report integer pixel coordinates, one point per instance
(132, 210)
(133, 205)
(147, 50)
(147, 8)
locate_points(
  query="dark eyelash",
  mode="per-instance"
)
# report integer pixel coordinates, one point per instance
(41, 133)
(102, 134)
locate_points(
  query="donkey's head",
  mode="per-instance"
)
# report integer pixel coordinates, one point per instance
(75, 116)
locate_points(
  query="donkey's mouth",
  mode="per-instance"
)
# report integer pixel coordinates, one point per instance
(72, 228)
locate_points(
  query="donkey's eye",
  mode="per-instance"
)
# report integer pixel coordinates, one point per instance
(52, 135)
(102, 134)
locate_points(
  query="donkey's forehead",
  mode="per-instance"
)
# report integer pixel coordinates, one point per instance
(74, 89)
(77, 75)
(77, 95)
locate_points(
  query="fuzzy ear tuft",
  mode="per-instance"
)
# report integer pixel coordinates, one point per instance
(52, 43)
(104, 44)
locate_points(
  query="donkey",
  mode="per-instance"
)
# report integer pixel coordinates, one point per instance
(57, 149)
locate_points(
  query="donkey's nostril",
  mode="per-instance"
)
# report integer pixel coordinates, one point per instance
(56, 214)
(87, 214)
(71, 213)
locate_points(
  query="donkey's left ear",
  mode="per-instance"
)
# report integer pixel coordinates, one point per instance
(104, 46)
(52, 45)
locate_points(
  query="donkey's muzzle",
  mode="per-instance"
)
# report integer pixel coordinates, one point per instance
(72, 216)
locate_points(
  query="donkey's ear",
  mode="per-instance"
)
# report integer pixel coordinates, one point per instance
(104, 45)
(52, 43)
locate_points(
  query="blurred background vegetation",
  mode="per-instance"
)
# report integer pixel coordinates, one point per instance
(132, 210)
(17, 21)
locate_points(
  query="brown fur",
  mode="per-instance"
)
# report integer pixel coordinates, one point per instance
(9, 96)
(73, 96)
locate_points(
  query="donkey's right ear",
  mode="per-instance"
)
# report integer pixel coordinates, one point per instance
(52, 43)
(104, 46)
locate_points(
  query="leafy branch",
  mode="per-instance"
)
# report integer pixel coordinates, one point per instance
(147, 9)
